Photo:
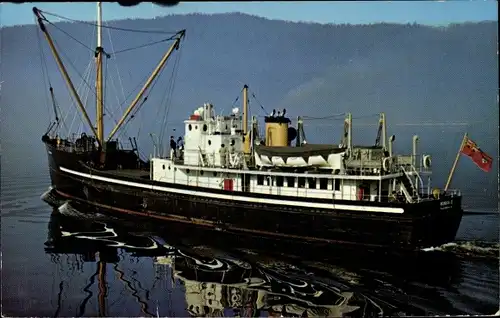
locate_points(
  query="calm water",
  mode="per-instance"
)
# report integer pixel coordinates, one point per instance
(63, 263)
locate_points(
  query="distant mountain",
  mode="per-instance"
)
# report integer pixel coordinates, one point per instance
(413, 73)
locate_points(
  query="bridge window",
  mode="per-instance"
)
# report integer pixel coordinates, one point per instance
(260, 179)
(269, 180)
(301, 182)
(323, 184)
(279, 181)
(290, 182)
(336, 185)
(312, 183)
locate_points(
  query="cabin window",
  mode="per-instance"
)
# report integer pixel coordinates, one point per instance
(260, 179)
(169, 167)
(190, 127)
(215, 174)
(175, 169)
(269, 180)
(209, 142)
(336, 185)
(290, 182)
(163, 166)
(312, 183)
(279, 181)
(232, 142)
(188, 171)
(301, 182)
(323, 184)
(201, 172)
(205, 127)
(195, 126)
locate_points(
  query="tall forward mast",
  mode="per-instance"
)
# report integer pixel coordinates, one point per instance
(99, 92)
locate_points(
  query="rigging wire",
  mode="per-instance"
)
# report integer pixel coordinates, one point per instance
(170, 94)
(108, 27)
(117, 69)
(69, 35)
(260, 104)
(334, 116)
(137, 110)
(237, 98)
(171, 38)
(79, 90)
(124, 127)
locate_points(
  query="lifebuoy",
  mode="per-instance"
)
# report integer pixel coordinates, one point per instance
(387, 163)
(427, 161)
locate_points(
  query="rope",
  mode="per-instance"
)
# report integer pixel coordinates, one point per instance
(145, 45)
(325, 117)
(108, 27)
(169, 98)
(117, 70)
(258, 102)
(69, 35)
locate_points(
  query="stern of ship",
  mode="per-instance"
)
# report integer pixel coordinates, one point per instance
(437, 221)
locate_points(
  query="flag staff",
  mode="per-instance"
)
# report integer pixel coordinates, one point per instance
(455, 163)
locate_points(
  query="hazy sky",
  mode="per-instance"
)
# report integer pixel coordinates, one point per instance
(354, 12)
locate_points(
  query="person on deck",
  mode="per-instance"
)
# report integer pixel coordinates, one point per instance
(173, 148)
(180, 146)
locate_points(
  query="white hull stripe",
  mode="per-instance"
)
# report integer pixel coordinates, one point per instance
(238, 197)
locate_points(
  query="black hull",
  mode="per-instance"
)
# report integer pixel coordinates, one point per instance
(423, 224)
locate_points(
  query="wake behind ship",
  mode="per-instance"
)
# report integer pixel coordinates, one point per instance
(231, 175)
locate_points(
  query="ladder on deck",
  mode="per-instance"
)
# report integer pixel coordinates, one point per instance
(408, 185)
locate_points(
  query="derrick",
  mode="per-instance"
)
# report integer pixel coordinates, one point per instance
(178, 37)
(63, 71)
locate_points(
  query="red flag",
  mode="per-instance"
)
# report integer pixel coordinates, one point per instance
(480, 158)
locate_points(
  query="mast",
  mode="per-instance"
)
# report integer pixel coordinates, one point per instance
(162, 62)
(99, 91)
(246, 135)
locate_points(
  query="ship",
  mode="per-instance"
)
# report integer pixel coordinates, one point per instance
(240, 176)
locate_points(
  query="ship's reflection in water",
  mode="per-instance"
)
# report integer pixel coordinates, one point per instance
(187, 278)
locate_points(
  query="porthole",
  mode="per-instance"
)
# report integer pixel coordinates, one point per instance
(190, 127)
(169, 168)
(195, 126)
(163, 166)
(205, 127)
(209, 142)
